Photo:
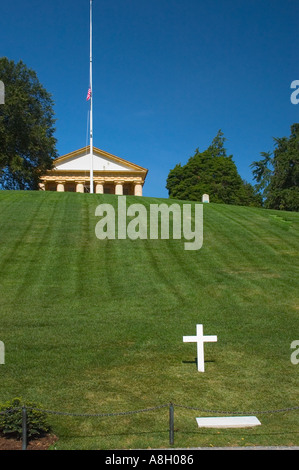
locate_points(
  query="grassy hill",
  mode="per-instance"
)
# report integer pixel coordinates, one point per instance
(96, 326)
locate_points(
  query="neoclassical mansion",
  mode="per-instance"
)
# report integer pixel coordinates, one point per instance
(111, 174)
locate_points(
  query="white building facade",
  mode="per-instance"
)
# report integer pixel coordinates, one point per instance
(111, 174)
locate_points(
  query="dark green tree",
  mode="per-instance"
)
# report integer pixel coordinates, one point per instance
(213, 172)
(277, 173)
(27, 143)
(262, 172)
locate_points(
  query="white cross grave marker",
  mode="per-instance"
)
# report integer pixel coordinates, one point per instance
(200, 339)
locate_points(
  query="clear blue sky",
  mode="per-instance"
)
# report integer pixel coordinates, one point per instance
(168, 74)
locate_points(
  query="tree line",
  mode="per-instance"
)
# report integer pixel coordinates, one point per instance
(277, 173)
(215, 173)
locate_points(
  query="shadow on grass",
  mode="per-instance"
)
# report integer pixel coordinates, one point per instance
(235, 433)
(113, 434)
(195, 362)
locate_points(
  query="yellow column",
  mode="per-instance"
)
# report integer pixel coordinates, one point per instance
(79, 188)
(99, 188)
(119, 189)
(138, 189)
(60, 187)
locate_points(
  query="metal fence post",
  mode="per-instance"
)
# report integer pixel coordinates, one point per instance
(171, 424)
(24, 428)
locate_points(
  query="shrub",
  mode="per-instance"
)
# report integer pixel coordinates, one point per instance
(11, 419)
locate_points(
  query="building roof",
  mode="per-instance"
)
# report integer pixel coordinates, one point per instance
(79, 160)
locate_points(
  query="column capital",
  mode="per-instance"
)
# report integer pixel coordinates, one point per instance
(119, 181)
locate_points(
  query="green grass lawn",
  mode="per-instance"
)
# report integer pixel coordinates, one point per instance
(93, 326)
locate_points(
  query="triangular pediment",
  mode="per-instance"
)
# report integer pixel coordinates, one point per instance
(79, 160)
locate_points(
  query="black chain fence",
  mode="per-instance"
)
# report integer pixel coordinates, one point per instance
(170, 406)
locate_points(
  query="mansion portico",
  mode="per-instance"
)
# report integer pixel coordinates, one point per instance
(111, 174)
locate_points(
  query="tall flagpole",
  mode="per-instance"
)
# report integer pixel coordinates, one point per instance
(91, 99)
